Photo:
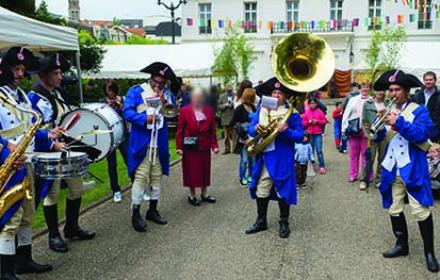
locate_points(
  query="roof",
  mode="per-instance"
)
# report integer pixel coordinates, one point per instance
(165, 29)
(137, 31)
(20, 30)
(97, 22)
(125, 61)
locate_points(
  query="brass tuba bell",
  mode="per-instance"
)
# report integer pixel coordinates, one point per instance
(303, 62)
(169, 110)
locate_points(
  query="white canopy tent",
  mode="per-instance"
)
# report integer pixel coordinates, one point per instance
(416, 58)
(193, 60)
(38, 36)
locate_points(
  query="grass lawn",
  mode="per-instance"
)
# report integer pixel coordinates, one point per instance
(100, 190)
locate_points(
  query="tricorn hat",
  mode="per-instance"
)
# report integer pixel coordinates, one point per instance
(54, 62)
(272, 84)
(165, 71)
(396, 77)
(20, 55)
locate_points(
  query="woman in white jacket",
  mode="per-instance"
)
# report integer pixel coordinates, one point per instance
(357, 142)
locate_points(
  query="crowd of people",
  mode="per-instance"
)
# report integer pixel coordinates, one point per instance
(398, 146)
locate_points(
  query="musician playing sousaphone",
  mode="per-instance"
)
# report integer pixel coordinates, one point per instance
(47, 100)
(148, 152)
(405, 167)
(16, 220)
(274, 173)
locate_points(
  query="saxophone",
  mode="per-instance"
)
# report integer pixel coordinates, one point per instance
(20, 191)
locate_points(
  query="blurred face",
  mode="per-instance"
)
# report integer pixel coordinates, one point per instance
(380, 95)
(110, 93)
(280, 95)
(18, 71)
(157, 83)
(53, 78)
(313, 105)
(399, 94)
(197, 99)
(429, 81)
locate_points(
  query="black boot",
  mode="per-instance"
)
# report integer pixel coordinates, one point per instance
(261, 222)
(153, 214)
(427, 230)
(400, 231)
(284, 218)
(72, 230)
(56, 242)
(25, 263)
(136, 219)
(7, 263)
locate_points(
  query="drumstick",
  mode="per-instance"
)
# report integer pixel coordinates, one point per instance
(75, 118)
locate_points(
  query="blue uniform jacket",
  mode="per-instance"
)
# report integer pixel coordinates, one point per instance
(415, 175)
(280, 163)
(140, 135)
(17, 178)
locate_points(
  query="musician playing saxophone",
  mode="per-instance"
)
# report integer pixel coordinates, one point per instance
(47, 100)
(148, 151)
(405, 167)
(274, 173)
(16, 222)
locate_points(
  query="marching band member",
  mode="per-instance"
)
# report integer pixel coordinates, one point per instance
(274, 172)
(48, 101)
(16, 223)
(146, 124)
(405, 166)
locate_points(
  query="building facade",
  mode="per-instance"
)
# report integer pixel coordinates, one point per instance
(74, 10)
(345, 24)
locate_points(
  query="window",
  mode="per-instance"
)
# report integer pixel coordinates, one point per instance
(425, 9)
(374, 12)
(205, 13)
(293, 11)
(250, 17)
(336, 11)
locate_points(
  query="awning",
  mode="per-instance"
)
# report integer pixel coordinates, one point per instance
(193, 60)
(34, 34)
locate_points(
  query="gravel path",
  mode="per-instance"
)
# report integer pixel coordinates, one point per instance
(338, 232)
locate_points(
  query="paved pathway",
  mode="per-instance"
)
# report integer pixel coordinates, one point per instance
(339, 232)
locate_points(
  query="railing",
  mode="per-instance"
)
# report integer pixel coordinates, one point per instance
(321, 26)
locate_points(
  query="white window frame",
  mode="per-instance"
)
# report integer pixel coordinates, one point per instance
(292, 8)
(423, 24)
(205, 13)
(337, 11)
(374, 10)
(250, 14)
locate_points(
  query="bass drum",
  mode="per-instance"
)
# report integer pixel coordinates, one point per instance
(98, 117)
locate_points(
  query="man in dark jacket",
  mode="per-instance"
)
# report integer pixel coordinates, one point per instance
(429, 95)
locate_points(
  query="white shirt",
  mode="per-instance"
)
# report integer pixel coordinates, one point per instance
(428, 95)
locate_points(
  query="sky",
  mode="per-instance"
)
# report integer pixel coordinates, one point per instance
(108, 9)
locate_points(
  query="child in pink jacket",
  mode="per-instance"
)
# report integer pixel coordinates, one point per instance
(314, 121)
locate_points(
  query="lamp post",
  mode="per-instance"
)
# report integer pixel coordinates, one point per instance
(171, 7)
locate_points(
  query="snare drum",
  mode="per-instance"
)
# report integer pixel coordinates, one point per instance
(51, 166)
(97, 116)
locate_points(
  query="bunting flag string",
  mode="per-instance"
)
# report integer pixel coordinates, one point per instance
(427, 12)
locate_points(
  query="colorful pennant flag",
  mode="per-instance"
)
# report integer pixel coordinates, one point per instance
(189, 21)
(221, 23)
(400, 19)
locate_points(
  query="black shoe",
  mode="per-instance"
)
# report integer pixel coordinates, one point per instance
(56, 242)
(400, 231)
(72, 230)
(427, 231)
(193, 201)
(209, 199)
(153, 214)
(7, 264)
(137, 221)
(25, 263)
(259, 225)
(284, 229)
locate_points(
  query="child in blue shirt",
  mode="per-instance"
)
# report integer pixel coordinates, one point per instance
(303, 155)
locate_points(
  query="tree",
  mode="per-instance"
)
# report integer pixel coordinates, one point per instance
(384, 51)
(23, 7)
(235, 57)
(42, 14)
(92, 52)
(393, 40)
(116, 21)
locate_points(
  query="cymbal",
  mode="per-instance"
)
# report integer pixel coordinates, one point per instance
(95, 132)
